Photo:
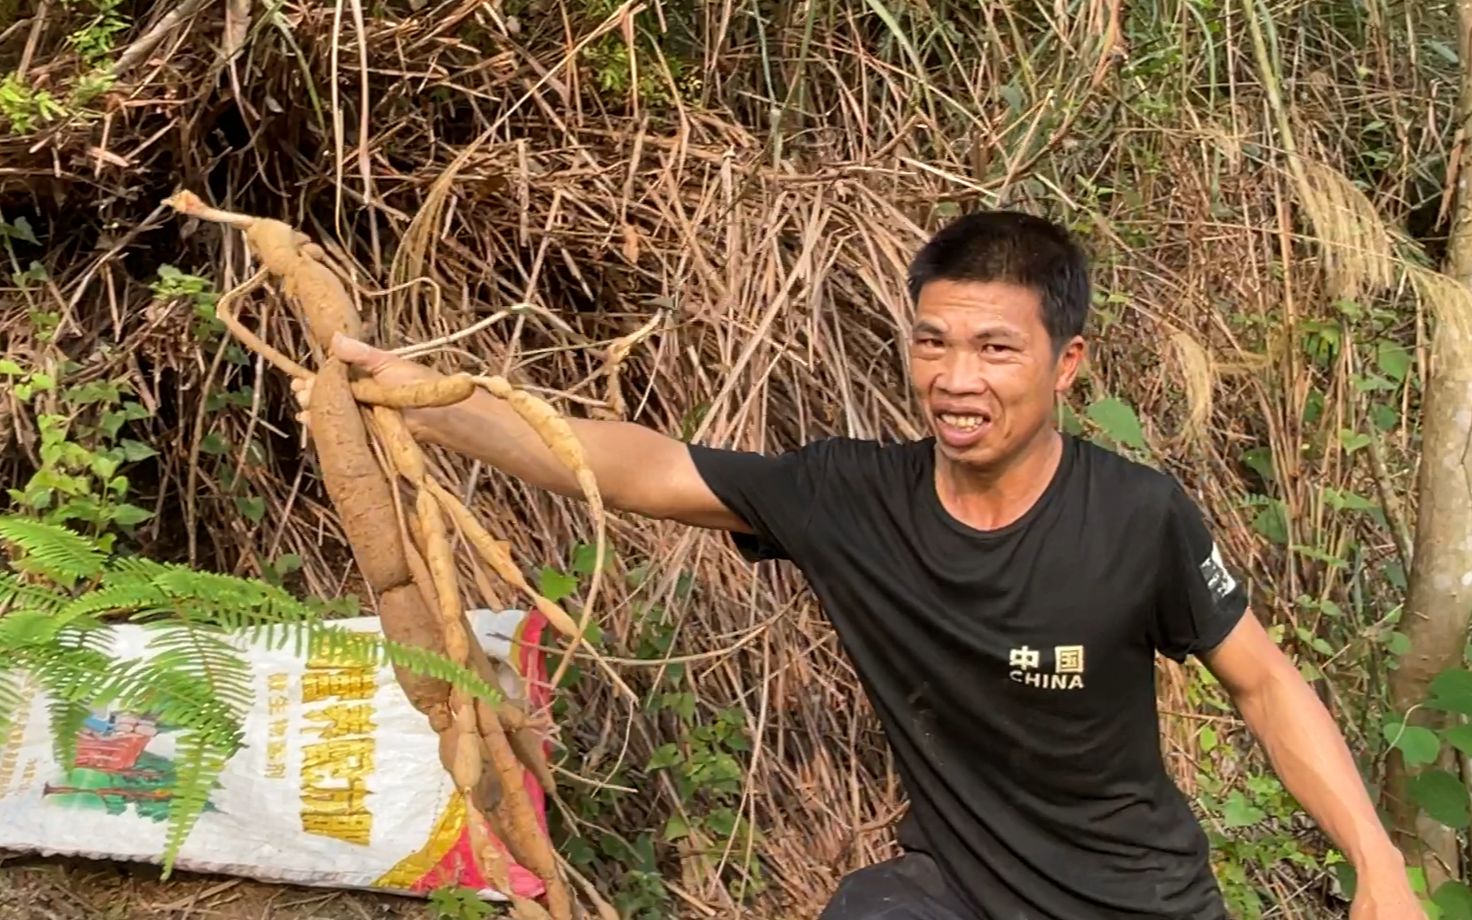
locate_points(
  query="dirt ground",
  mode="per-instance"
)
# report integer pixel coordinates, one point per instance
(37, 888)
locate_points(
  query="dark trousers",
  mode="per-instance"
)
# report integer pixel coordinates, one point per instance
(908, 887)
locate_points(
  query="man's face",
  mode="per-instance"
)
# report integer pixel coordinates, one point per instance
(985, 369)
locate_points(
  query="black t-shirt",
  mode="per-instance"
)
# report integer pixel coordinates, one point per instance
(1012, 670)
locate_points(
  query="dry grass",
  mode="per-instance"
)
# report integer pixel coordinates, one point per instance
(33, 889)
(762, 196)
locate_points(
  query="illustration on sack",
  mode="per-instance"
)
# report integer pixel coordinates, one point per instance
(115, 770)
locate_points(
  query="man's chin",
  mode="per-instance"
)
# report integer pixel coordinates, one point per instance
(978, 456)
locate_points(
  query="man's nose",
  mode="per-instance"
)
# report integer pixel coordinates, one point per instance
(962, 374)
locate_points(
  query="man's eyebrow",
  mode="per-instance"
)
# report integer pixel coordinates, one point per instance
(998, 332)
(927, 327)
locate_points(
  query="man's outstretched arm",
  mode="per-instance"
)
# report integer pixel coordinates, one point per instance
(1310, 756)
(638, 469)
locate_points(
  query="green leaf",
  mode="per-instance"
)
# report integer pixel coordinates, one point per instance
(1385, 417)
(1393, 360)
(555, 585)
(666, 755)
(893, 24)
(1451, 691)
(1239, 812)
(1352, 441)
(1207, 740)
(252, 506)
(1011, 93)
(1398, 643)
(1260, 461)
(1118, 420)
(1419, 746)
(20, 228)
(1459, 737)
(133, 451)
(1455, 900)
(128, 515)
(1442, 796)
(586, 554)
(1442, 49)
(1316, 553)
(675, 828)
(722, 821)
(1068, 420)
(103, 467)
(681, 704)
(1348, 501)
(10, 369)
(579, 852)
(1272, 522)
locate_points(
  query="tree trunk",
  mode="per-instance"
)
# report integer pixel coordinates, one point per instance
(1440, 599)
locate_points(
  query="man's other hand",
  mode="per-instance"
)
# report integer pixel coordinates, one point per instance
(385, 367)
(1387, 896)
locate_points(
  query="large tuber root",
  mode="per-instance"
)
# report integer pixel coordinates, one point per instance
(408, 561)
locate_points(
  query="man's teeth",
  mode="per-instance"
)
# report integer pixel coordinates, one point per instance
(964, 422)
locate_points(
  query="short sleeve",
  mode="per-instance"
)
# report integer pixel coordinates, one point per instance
(774, 493)
(1200, 601)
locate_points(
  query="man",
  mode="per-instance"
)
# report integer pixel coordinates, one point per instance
(1002, 589)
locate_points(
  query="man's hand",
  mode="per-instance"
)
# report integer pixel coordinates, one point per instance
(1387, 896)
(637, 468)
(1310, 756)
(386, 368)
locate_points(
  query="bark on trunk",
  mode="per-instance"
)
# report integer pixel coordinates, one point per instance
(1440, 599)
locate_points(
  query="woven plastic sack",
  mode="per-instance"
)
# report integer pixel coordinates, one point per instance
(339, 782)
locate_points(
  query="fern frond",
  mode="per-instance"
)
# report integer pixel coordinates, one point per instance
(201, 654)
(86, 678)
(67, 671)
(17, 594)
(226, 590)
(70, 678)
(67, 717)
(116, 597)
(226, 601)
(377, 650)
(12, 698)
(60, 554)
(22, 628)
(176, 697)
(86, 633)
(197, 767)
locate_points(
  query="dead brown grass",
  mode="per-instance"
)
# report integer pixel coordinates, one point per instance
(35, 889)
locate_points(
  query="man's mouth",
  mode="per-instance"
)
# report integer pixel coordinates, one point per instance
(962, 422)
(961, 430)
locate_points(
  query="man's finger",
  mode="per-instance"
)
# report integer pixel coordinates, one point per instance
(360, 353)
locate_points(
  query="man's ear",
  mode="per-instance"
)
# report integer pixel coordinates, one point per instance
(1070, 359)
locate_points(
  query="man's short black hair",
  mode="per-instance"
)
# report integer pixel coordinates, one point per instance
(1016, 248)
